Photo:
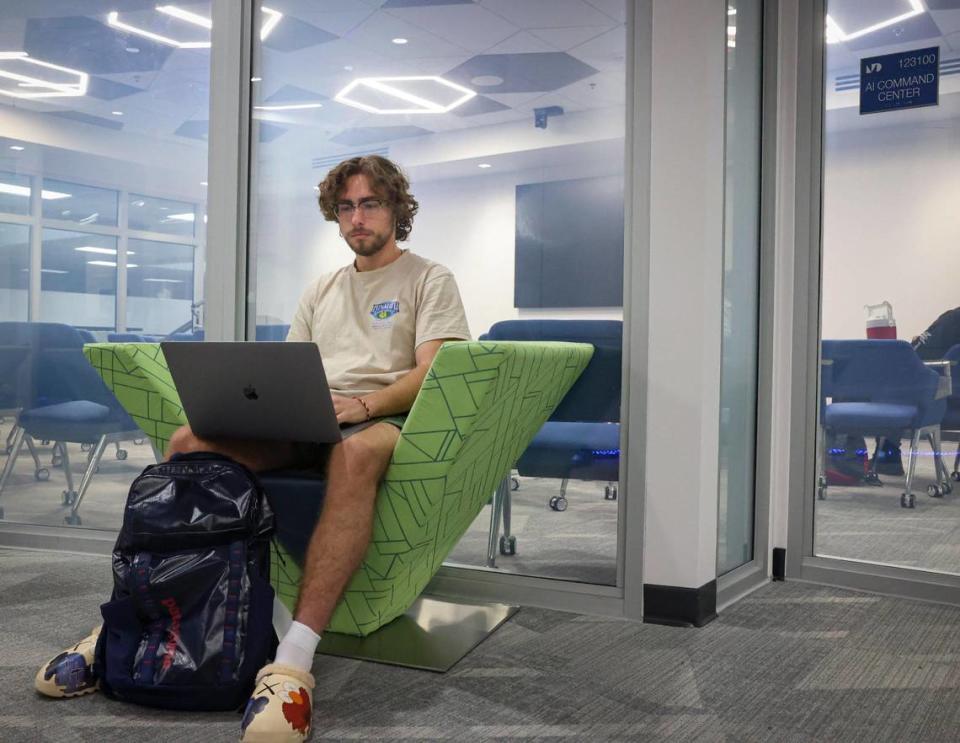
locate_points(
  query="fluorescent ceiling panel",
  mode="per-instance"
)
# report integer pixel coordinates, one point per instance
(14, 190)
(835, 34)
(370, 93)
(24, 71)
(270, 20)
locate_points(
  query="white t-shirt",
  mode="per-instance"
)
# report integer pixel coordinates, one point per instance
(368, 324)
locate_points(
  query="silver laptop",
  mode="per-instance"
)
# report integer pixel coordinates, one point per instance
(274, 391)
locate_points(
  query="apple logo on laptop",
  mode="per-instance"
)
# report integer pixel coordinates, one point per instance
(250, 392)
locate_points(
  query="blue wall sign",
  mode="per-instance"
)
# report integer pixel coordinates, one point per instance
(902, 80)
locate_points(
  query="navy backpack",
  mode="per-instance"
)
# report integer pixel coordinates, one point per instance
(189, 622)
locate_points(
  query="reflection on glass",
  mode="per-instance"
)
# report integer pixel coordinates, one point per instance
(77, 203)
(14, 270)
(79, 279)
(151, 214)
(160, 292)
(74, 158)
(741, 286)
(15, 192)
(890, 232)
(510, 125)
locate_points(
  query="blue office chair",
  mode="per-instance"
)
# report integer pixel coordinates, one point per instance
(124, 338)
(581, 440)
(64, 401)
(950, 426)
(881, 388)
(272, 332)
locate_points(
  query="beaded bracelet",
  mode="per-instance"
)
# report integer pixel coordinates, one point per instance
(360, 400)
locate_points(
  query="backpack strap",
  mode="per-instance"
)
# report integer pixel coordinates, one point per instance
(232, 611)
(147, 670)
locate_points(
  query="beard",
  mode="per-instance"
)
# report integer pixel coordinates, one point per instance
(367, 245)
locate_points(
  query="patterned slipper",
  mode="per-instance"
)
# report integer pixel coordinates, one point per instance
(70, 674)
(280, 707)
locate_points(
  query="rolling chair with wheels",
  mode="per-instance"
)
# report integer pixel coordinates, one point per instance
(950, 426)
(581, 440)
(66, 402)
(881, 388)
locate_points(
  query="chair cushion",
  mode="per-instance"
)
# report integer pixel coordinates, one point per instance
(582, 451)
(870, 417)
(80, 421)
(78, 411)
(296, 498)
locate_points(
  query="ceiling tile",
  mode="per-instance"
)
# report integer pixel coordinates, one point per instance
(378, 31)
(479, 105)
(547, 13)
(90, 46)
(108, 90)
(88, 119)
(294, 94)
(194, 129)
(563, 39)
(616, 9)
(918, 28)
(606, 51)
(292, 34)
(521, 73)
(423, 3)
(369, 134)
(468, 26)
(852, 15)
(520, 43)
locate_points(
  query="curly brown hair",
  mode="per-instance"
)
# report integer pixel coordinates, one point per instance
(387, 180)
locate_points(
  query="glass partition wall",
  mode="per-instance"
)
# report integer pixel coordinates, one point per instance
(509, 120)
(103, 170)
(889, 323)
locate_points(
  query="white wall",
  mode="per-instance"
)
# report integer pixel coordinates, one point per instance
(467, 224)
(891, 225)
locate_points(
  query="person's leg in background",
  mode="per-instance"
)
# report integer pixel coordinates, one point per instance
(281, 704)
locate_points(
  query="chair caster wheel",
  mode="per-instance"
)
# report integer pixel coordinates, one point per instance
(610, 492)
(955, 476)
(908, 500)
(946, 488)
(934, 491)
(42, 474)
(821, 492)
(139, 442)
(73, 519)
(508, 546)
(514, 483)
(45, 442)
(68, 497)
(84, 447)
(558, 503)
(56, 461)
(121, 454)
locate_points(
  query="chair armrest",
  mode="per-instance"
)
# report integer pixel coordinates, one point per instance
(945, 383)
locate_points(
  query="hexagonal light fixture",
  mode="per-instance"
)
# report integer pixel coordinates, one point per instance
(270, 20)
(24, 70)
(367, 94)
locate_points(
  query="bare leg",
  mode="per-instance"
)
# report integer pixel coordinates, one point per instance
(257, 456)
(343, 531)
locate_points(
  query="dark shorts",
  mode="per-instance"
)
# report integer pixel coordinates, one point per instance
(314, 456)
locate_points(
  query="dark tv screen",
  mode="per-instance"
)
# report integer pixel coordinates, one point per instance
(569, 243)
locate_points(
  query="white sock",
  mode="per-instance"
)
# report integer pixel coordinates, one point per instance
(298, 647)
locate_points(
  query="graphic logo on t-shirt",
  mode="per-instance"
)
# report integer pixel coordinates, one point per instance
(385, 310)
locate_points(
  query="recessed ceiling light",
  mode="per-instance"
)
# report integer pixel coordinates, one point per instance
(117, 113)
(836, 34)
(289, 107)
(16, 148)
(12, 68)
(133, 50)
(393, 86)
(485, 81)
(399, 40)
(484, 165)
(348, 67)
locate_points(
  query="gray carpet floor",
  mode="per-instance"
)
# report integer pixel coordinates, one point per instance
(792, 662)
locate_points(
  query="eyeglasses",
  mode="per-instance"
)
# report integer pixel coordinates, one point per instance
(367, 207)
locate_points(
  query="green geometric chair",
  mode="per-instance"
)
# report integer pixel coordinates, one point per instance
(478, 409)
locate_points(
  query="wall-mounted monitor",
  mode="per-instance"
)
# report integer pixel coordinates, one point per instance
(569, 243)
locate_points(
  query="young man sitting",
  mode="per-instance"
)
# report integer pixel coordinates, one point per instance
(378, 322)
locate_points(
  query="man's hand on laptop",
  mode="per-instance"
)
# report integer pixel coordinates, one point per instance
(349, 410)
